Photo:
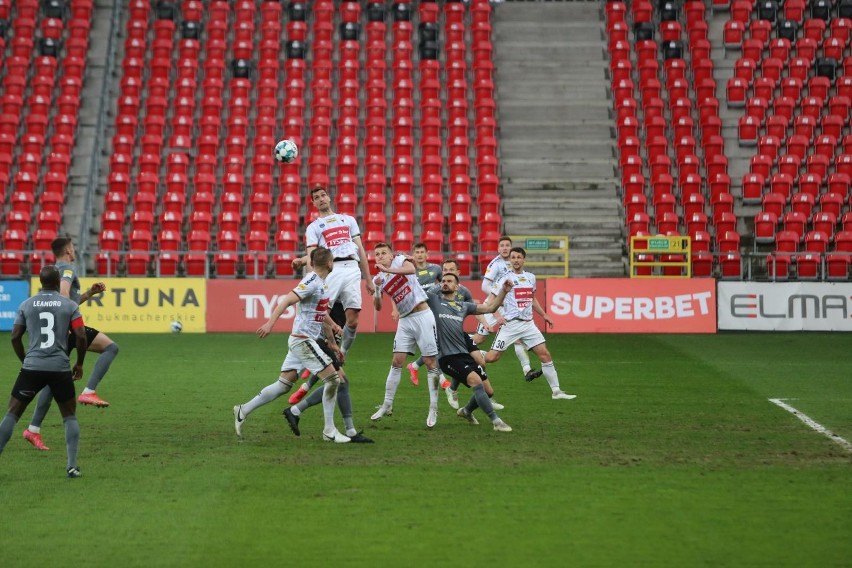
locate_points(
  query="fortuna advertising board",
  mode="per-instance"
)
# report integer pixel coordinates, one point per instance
(144, 305)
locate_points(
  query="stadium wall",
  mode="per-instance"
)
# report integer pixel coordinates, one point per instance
(576, 305)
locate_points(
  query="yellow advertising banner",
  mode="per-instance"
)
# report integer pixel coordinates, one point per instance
(145, 305)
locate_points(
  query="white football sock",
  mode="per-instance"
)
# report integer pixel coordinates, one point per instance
(391, 384)
(434, 386)
(521, 353)
(549, 372)
(329, 401)
(267, 395)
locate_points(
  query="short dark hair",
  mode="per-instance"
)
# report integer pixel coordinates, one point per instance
(455, 276)
(452, 261)
(49, 277)
(320, 255)
(519, 250)
(504, 238)
(316, 188)
(419, 245)
(57, 245)
(382, 244)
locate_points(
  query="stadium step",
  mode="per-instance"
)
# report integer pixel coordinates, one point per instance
(557, 151)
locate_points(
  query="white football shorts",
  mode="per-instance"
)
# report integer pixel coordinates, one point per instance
(417, 330)
(515, 330)
(344, 284)
(304, 354)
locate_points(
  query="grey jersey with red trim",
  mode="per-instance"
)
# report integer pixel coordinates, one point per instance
(47, 317)
(68, 272)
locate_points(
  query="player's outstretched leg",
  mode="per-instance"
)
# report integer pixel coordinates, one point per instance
(7, 426)
(329, 401)
(434, 379)
(480, 399)
(413, 367)
(391, 384)
(303, 389)
(72, 440)
(32, 434)
(267, 395)
(107, 355)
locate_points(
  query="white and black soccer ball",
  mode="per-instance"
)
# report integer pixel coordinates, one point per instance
(176, 327)
(286, 151)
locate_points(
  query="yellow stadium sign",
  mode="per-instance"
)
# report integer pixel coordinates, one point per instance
(660, 256)
(549, 254)
(145, 305)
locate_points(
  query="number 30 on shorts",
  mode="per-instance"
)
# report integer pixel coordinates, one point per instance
(499, 345)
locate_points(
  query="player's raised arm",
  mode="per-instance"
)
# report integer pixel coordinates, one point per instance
(289, 300)
(492, 303)
(407, 267)
(377, 297)
(364, 264)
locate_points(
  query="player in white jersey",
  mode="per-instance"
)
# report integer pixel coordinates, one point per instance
(311, 322)
(494, 273)
(415, 328)
(518, 308)
(340, 234)
(429, 277)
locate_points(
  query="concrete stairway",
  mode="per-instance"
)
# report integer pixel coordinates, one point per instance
(556, 143)
(75, 211)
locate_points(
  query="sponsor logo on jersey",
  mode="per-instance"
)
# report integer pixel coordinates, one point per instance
(336, 236)
(450, 317)
(322, 308)
(523, 296)
(68, 274)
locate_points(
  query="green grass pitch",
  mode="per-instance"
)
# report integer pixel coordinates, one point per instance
(670, 456)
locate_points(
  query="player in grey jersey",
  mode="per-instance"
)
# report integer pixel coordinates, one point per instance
(454, 354)
(98, 342)
(429, 277)
(451, 266)
(47, 319)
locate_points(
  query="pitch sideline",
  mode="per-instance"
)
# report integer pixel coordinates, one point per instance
(845, 444)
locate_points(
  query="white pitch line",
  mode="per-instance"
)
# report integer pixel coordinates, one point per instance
(814, 425)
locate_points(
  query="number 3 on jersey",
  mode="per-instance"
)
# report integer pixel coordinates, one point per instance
(47, 330)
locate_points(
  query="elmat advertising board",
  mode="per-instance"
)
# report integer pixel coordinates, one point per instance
(622, 305)
(785, 306)
(145, 305)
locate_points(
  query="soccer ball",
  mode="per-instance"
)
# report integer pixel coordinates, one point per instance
(286, 151)
(177, 327)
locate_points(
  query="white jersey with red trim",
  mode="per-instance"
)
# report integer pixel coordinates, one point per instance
(312, 307)
(403, 289)
(334, 232)
(495, 272)
(519, 300)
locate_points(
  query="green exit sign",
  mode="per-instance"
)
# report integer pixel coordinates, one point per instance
(658, 244)
(537, 244)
